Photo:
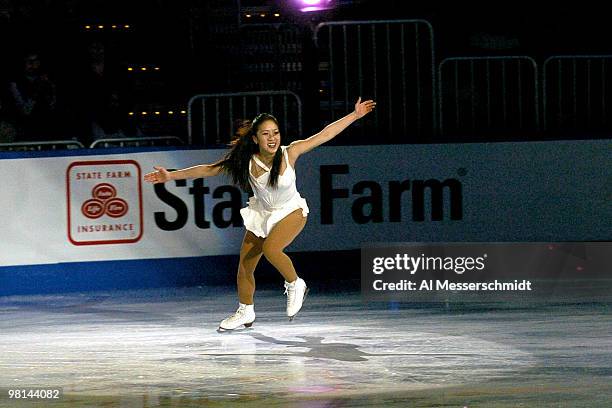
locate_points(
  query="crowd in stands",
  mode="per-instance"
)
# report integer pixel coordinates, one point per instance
(73, 84)
(89, 102)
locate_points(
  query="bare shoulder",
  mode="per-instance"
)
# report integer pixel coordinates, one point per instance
(297, 149)
(292, 153)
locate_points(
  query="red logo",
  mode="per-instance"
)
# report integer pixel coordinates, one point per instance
(104, 200)
(104, 191)
(93, 208)
(116, 208)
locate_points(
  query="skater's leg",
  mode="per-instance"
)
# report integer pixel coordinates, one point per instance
(279, 238)
(250, 254)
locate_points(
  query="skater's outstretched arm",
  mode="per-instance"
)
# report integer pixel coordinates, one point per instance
(330, 131)
(161, 175)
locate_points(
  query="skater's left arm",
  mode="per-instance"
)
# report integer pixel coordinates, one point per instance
(330, 131)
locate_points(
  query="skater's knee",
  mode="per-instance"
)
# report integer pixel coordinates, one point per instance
(270, 250)
(244, 272)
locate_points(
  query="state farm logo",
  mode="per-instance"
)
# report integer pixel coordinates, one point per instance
(104, 202)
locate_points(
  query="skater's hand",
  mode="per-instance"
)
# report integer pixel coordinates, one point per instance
(363, 108)
(160, 176)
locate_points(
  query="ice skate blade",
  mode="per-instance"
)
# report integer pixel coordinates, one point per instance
(237, 329)
(303, 300)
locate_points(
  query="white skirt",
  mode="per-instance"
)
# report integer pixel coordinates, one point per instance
(260, 221)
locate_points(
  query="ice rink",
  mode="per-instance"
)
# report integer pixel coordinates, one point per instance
(160, 347)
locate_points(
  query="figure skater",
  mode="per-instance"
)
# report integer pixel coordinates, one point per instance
(276, 213)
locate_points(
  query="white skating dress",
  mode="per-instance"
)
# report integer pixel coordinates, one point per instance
(269, 205)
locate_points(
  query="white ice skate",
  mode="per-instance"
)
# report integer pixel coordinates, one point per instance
(245, 315)
(296, 293)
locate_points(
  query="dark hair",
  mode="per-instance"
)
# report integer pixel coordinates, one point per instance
(236, 161)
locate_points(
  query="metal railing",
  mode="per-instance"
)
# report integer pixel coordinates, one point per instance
(137, 142)
(391, 61)
(577, 91)
(211, 118)
(269, 57)
(144, 141)
(488, 95)
(40, 146)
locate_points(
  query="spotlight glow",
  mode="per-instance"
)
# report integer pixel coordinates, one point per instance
(314, 5)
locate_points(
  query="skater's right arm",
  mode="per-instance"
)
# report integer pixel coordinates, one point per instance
(161, 175)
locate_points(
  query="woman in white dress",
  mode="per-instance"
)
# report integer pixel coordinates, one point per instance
(276, 213)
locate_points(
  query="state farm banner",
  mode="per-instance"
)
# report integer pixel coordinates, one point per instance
(97, 207)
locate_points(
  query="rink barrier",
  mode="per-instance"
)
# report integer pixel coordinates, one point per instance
(577, 94)
(137, 142)
(390, 61)
(212, 118)
(490, 95)
(117, 142)
(39, 146)
(491, 192)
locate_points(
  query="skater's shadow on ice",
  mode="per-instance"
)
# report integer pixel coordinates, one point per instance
(318, 349)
